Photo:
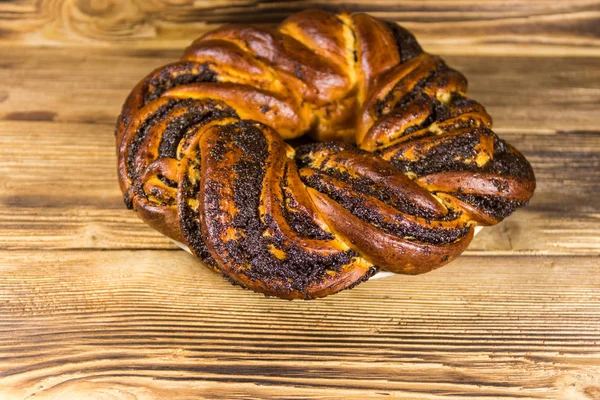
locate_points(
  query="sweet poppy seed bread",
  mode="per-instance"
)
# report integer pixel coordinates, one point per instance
(399, 168)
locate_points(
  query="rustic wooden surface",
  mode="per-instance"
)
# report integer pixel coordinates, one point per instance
(93, 304)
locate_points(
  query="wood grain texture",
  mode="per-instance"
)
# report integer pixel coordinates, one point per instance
(141, 323)
(449, 27)
(96, 305)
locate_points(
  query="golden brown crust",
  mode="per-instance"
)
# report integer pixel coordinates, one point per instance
(203, 157)
(390, 252)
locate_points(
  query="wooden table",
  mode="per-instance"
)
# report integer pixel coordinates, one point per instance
(94, 304)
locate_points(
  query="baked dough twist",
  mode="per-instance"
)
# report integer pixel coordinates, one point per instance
(402, 167)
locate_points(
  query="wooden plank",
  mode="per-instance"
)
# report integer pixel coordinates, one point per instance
(89, 85)
(83, 316)
(141, 323)
(59, 190)
(544, 27)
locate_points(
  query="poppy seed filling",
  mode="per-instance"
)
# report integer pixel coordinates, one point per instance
(299, 161)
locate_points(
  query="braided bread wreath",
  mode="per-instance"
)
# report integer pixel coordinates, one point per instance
(400, 169)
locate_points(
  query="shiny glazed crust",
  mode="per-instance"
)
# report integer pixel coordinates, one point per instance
(400, 167)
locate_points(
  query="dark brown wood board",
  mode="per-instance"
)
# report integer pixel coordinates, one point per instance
(94, 304)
